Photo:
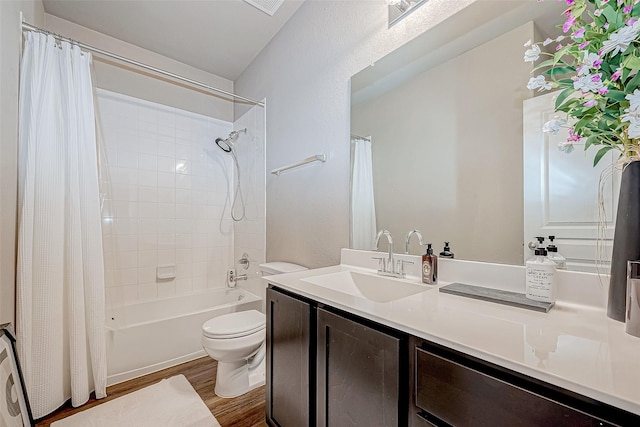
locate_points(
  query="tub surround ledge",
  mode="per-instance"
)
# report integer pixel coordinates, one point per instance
(575, 346)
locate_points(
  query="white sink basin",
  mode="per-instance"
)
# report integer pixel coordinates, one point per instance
(368, 286)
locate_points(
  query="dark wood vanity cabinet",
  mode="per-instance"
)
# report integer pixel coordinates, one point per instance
(454, 389)
(290, 361)
(327, 368)
(359, 374)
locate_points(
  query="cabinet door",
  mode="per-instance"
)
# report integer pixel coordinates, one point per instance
(359, 375)
(288, 360)
(461, 396)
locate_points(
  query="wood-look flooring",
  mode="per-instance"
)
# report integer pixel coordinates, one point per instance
(247, 410)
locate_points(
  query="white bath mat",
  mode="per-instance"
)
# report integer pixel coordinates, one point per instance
(170, 403)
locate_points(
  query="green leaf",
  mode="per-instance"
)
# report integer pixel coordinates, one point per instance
(616, 95)
(559, 54)
(610, 13)
(558, 71)
(601, 153)
(633, 84)
(577, 11)
(632, 62)
(582, 123)
(593, 139)
(563, 95)
(547, 63)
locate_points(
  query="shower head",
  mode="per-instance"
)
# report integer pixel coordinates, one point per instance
(227, 144)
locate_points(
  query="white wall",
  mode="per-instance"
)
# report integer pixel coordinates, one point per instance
(447, 152)
(10, 42)
(304, 74)
(132, 81)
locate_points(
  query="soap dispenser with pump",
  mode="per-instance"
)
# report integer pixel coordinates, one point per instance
(540, 277)
(555, 256)
(429, 267)
(446, 252)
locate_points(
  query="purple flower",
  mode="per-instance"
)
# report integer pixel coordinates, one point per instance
(597, 63)
(579, 33)
(597, 12)
(559, 47)
(631, 21)
(568, 24)
(606, 26)
(590, 103)
(603, 90)
(582, 45)
(627, 9)
(573, 137)
(596, 78)
(615, 76)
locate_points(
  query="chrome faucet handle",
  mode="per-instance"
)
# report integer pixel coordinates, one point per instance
(400, 266)
(381, 263)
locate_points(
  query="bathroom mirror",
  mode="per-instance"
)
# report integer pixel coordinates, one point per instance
(445, 116)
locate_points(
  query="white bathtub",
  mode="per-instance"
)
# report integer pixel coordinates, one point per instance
(149, 336)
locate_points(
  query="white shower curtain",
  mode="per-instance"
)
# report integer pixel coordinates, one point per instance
(363, 211)
(60, 271)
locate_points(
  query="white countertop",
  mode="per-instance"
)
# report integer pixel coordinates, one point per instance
(575, 346)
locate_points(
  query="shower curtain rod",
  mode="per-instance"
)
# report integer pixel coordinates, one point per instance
(27, 26)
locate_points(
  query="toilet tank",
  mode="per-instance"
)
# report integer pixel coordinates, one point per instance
(279, 267)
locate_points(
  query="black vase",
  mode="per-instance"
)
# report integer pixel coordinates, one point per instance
(626, 240)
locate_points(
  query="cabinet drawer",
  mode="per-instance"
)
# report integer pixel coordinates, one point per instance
(461, 396)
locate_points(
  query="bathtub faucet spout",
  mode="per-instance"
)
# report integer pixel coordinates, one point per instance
(232, 278)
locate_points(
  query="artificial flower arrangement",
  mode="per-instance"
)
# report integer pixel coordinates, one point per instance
(596, 63)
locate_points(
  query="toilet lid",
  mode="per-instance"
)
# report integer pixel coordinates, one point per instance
(234, 325)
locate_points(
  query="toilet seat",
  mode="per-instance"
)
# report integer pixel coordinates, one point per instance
(234, 325)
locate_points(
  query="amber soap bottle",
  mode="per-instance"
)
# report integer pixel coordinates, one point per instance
(429, 267)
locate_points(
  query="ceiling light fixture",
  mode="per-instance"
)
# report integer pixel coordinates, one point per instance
(399, 9)
(267, 6)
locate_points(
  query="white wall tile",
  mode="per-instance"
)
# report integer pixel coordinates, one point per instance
(167, 179)
(148, 258)
(166, 257)
(147, 161)
(130, 294)
(147, 210)
(147, 274)
(147, 225)
(147, 178)
(166, 164)
(147, 194)
(166, 289)
(167, 195)
(199, 283)
(128, 159)
(147, 291)
(183, 196)
(183, 181)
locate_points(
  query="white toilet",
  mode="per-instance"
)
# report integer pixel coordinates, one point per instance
(237, 342)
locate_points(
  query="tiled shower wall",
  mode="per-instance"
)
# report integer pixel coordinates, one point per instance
(167, 200)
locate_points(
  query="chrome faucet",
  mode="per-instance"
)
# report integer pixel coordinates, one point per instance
(389, 261)
(387, 266)
(233, 277)
(408, 238)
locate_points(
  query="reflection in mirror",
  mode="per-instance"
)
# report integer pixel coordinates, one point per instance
(445, 117)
